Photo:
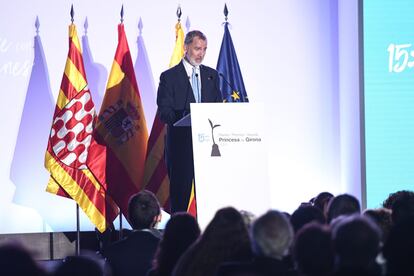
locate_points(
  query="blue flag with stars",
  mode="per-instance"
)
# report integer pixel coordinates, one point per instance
(231, 80)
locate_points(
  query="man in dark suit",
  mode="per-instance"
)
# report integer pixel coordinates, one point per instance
(133, 255)
(188, 82)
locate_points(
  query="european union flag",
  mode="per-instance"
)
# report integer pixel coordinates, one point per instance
(231, 80)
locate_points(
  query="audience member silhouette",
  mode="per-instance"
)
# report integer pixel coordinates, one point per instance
(313, 251)
(357, 243)
(321, 201)
(133, 255)
(180, 232)
(79, 266)
(15, 260)
(382, 217)
(304, 215)
(402, 206)
(225, 239)
(399, 248)
(389, 201)
(272, 236)
(344, 204)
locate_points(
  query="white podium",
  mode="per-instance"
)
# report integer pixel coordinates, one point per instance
(230, 158)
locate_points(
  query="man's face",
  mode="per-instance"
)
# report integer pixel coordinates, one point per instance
(195, 51)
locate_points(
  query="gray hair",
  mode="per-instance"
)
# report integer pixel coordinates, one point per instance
(190, 36)
(272, 235)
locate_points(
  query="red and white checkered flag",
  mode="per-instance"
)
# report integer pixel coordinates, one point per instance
(71, 132)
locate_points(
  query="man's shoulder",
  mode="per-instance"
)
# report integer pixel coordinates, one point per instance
(173, 70)
(205, 67)
(152, 234)
(138, 237)
(209, 69)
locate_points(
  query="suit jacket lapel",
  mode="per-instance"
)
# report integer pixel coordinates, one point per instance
(186, 85)
(205, 81)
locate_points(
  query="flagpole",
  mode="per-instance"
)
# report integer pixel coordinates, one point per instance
(77, 246)
(72, 14)
(120, 225)
(120, 211)
(178, 13)
(122, 14)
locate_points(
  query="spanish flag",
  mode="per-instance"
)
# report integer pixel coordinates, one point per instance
(71, 141)
(121, 129)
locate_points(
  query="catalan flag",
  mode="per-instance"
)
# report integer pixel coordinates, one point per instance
(121, 128)
(71, 141)
(156, 177)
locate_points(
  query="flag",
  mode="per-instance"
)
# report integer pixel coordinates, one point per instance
(121, 129)
(145, 80)
(178, 52)
(192, 204)
(156, 177)
(70, 143)
(231, 81)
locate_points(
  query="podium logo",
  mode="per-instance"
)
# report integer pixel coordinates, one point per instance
(215, 151)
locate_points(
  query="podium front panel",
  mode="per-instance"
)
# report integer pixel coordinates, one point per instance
(230, 158)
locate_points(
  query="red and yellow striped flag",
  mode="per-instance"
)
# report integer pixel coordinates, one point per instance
(121, 129)
(156, 177)
(71, 141)
(192, 204)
